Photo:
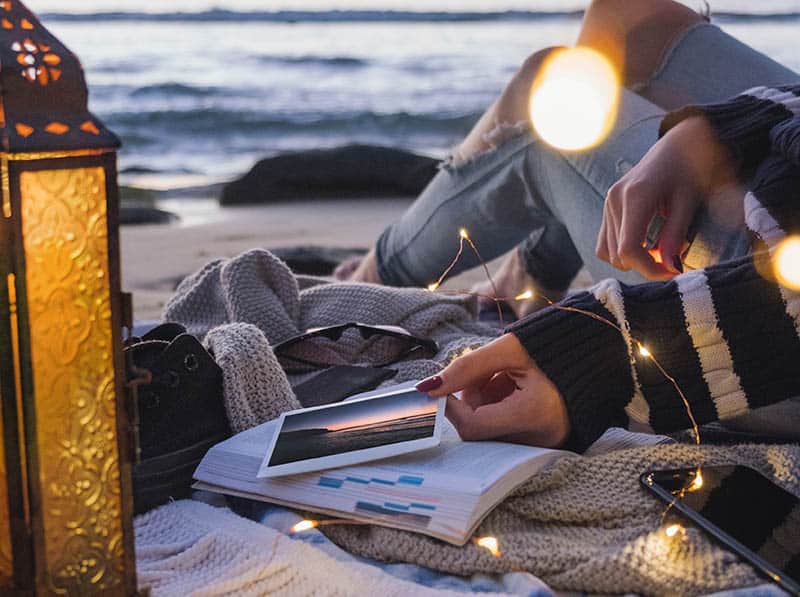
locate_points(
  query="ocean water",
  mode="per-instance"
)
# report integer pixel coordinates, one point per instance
(200, 96)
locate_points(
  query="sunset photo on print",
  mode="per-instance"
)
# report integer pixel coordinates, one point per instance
(353, 426)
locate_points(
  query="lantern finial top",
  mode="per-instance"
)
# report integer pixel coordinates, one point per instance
(43, 95)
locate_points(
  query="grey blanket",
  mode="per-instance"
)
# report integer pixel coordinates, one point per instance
(582, 525)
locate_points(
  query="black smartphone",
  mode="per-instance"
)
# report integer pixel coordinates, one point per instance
(743, 510)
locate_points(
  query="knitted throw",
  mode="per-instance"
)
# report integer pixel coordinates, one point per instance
(583, 525)
(189, 548)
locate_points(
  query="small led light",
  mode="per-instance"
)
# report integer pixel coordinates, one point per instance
(462, 232)
(433, 287)
(525, 296)
(673, 530)
(644, 352)
(304, 525)
(490, 544)
(698, 481)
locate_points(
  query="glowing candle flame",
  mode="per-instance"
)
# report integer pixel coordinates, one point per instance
(304, 525)
(525, 296)
(786, 262)
(433, 287)
(462, 232)
(644, 351)
(673, 530)
(574, 98)
(491, 544)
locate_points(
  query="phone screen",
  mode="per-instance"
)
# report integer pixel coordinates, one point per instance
(745, 505)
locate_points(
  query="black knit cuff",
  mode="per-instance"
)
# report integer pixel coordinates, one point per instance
(742, 124)
(587, 361)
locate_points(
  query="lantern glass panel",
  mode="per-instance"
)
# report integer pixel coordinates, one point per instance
(5, 528)
(64, 230)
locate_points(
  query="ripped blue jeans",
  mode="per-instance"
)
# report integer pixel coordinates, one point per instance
(549, 204)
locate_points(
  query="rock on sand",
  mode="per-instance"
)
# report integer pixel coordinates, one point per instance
(349, 171)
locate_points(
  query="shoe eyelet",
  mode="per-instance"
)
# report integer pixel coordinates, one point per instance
(191, 363)
(173, 380)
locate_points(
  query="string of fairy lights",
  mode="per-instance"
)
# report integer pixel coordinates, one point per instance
(562, 118)
(786, 269)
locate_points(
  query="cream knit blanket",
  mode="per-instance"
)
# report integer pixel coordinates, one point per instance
(583, 525)
(188, 549)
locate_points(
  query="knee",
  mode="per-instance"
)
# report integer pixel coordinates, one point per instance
(633, 35)
(512, 106)
(530, 68)
(622, 16)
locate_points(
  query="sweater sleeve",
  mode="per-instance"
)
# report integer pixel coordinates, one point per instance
(727, 335)
(743, 124)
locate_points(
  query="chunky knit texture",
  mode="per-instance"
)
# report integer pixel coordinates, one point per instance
(583, 525)
(191, 549)
(242, 306)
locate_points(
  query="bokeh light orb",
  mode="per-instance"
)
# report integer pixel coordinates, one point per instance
(574, 99)
(786, 262)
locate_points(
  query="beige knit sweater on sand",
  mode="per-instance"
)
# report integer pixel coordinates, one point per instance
(585, 524)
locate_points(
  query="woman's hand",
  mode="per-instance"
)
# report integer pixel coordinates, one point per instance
(679, 172)
(504, 396)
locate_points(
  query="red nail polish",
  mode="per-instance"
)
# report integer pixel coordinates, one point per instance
(426, 385)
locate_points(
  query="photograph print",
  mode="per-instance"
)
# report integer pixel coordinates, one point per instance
(356, 425)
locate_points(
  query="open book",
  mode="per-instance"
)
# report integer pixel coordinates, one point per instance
(443, 492)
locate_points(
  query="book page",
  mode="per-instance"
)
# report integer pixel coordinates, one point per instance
(469, 467)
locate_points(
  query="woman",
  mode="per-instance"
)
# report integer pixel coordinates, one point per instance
(725, 333)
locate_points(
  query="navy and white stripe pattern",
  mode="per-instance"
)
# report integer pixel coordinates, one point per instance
(729, 335)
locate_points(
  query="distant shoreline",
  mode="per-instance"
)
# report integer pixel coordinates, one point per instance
(370, 16)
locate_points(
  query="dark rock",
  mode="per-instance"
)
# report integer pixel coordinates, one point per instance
(313, 260)
(135, 215)
(349, 171)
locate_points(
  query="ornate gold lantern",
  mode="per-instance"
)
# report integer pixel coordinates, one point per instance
(65, 458)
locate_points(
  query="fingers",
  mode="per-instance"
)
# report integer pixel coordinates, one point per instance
(494, 390)
(476, 368)
(673, 236)
(628, 211)
(486, 422)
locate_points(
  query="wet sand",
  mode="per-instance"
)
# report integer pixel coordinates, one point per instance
(156, 257)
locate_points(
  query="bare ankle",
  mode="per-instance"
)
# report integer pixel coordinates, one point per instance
(367, 270)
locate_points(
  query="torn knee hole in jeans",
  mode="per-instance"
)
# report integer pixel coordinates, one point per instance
(491, 140)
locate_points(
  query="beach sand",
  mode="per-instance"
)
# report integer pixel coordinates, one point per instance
(156, 257)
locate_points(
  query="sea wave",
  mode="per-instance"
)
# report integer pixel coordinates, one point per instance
(220, 123)
(175, 90)
(311, 60)
(343, 16)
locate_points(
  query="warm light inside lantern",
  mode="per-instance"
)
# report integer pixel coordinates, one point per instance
(786, 262)
(304, 525)
(491, 544)
(574, 99)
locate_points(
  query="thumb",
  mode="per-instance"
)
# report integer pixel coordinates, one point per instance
(673, 235)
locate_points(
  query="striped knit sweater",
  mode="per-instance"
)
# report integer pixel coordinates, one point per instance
(728, 334)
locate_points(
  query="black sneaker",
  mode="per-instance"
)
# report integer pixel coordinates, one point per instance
(181, 411)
